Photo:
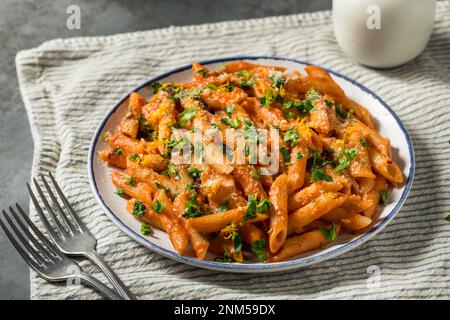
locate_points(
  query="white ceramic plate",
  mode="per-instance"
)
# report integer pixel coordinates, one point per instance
(389, 126)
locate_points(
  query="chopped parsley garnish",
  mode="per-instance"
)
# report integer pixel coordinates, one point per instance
(212, 86)
(229, 110)
(224, 259)
(130, 180)
(193, 173)
(343, 114)
(277, 80)
(304, 107)
(171, 171)
(269, 98)
(223, 207)
(146, 229)
(119, 192)
(178, 93)
(105, 136)
(246, 79)
(318, 174)
(291, 136)
(203, 72)
(263, 205)
(329, 234)
(237, 241)
(363, 142)
(156, 86)
(192, 186)
(186, 116)
(300, 155)
(134, 157)
(329, 102)
(285, 154)
(117, 150)
(158, 206)
(139, 209)
(192, 209)
(383, 197)
(260, 250)
(255, 175)
(250, 212)
(254, 206)
(233, 123)
(346, 159)
(171, 143)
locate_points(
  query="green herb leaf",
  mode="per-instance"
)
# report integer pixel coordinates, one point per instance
(318, 174)
(291, 136)
(383, 197)
(117, 150)
(263, 205)
(139, 209)
(192, 186)
(186, 116)
(203, 72)
(346, 158)
(343, 114)
(192, 209)
(119, 192)
(300, 155)
(146, 229)
(193, 173)
(158, 206)
(285, 154)
(223, 207)
(234, 123)
(277, 80)
(237, 241)
(134, 157)
(250, 212)
(260, 250)
(363, 142)
(212, 86)
(156, 86)
(329, 234)
(229, 110)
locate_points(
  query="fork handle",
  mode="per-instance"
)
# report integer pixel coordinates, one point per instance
(110, 274)
(94, 283)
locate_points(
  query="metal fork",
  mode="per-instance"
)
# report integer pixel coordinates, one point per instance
(41, 255)
(70, 234)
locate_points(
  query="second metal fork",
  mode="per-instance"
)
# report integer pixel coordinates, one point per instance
(70, 234)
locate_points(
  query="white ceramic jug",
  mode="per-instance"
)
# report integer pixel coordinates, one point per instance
(383, 33)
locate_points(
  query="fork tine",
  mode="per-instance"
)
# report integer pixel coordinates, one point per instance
(58, 224)
(36, 231)
(55, 201)
(41, 214)
(24, 241)
(16, 245)
(75, 217)
(40, 248)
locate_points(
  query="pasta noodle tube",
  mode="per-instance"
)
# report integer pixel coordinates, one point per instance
(374, 196)
(385, 166)
(113, 158)
(175, 229)
(356, 204)
(251, 233)
(138, 190)
(351, 221)
(217, 221)
(306, 195)
(314, 210)
(198, 241)
(278, 213)
(296, 171)
(149, 176)
(305, 242)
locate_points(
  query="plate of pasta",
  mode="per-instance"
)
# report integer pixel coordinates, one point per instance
(251, 164)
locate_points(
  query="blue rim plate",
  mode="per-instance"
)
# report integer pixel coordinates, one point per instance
(390, 126)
